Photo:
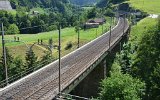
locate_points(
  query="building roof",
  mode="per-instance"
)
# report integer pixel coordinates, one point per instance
(92, 23)
(96, 20)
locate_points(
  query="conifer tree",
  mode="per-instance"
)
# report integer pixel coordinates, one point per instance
(31, 60)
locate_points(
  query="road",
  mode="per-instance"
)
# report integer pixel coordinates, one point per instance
(43, 84)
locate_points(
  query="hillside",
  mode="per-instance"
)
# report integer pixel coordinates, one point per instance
(149, 6)
(55, 5)
(84, 2)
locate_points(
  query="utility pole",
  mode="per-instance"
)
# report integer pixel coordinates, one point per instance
(110, 38)
(78, 37)
(111, 21)
(78, 32)
(4, 55)
(102, 20)
(102, 28)
(96, 32)
(124, 24)
(59, 50)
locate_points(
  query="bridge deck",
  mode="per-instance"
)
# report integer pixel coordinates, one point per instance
(43, 84)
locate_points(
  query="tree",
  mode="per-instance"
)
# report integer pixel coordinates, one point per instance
(2, 70)
(52, 28)
(47, 58)
(109, 12)
(92, 13)
(147, 63)
(121, 86)
(50, 44)
(18, 66)
(125, 58)
(13, 29)
(9, 64)
(31, 60)
(158, 23)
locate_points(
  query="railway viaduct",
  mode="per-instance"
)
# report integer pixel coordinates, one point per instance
(85, 66)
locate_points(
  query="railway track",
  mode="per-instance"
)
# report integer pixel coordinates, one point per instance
(43, 84)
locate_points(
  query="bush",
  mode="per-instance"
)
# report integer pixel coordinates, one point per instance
(121, 86)
(13, 29)
(68, 46)
(109, 12)
(52, 27)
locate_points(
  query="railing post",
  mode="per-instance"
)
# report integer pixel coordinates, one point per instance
(78, 37)
(110, 37)
(59, 50)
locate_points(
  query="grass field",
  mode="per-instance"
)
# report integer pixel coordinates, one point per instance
(14, 12)
(149, 6)
(67, 35)
(142, 27)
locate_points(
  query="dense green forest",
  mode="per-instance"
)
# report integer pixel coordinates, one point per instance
(56, 11)
(55, 4)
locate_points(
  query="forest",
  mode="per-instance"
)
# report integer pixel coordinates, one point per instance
(57, 12)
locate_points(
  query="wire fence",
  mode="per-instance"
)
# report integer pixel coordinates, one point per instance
(22, 74)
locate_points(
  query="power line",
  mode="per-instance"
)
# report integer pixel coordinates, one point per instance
(4, 55)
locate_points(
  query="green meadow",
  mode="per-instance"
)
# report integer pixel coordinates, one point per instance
(149, 6)
(141, 28)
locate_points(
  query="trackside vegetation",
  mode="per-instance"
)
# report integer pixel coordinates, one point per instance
(135, 72)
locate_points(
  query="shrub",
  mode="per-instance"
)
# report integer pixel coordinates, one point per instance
(68, 46)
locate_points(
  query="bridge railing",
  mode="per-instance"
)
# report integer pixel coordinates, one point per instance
(16, 77)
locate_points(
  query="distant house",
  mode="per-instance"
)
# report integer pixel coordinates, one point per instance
(35, 12)
(91, 25)
(97, 20)
(137, 13)
(94, 23)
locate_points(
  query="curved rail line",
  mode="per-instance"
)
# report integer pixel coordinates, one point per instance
(43, 84)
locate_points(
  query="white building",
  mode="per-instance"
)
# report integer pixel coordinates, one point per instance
(5, 5)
